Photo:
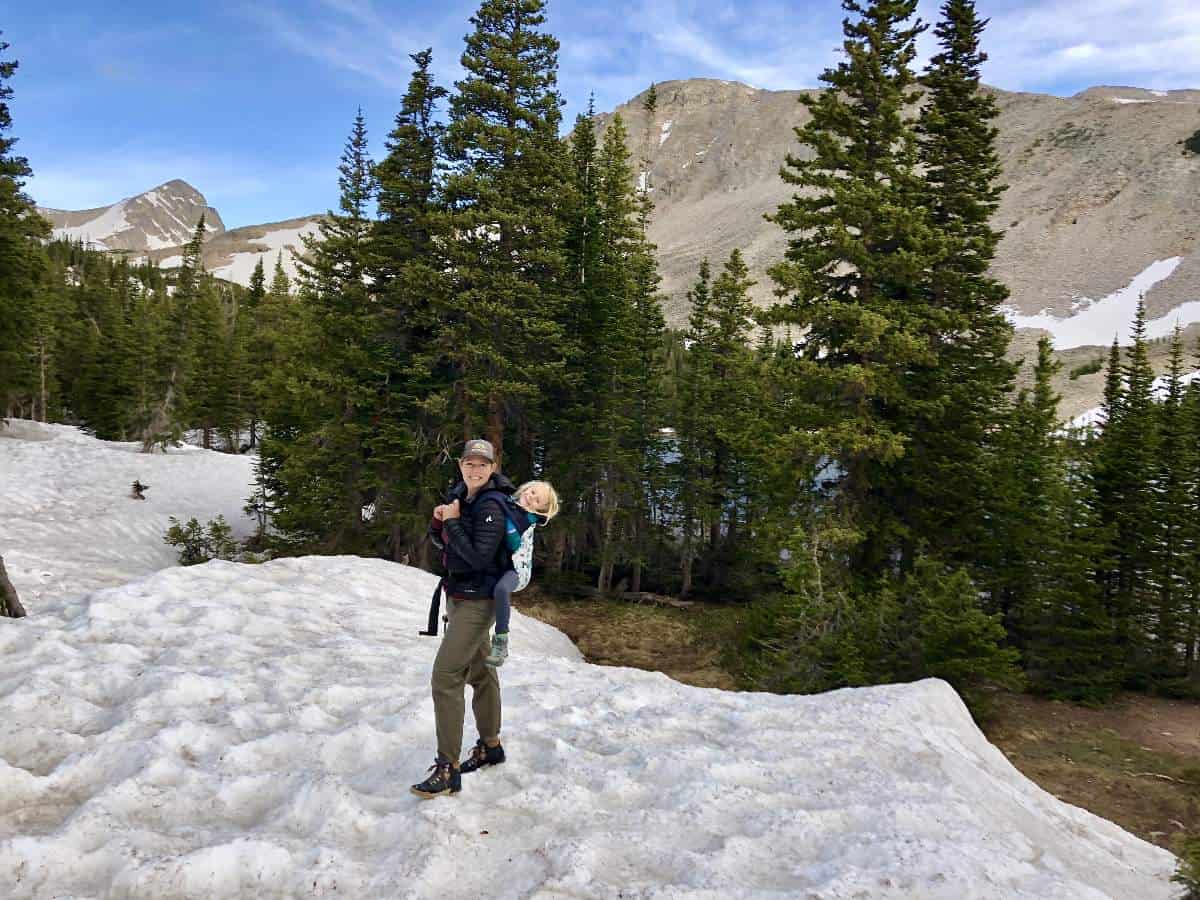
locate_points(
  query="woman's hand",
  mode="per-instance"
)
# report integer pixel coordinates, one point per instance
(438, 513)
(451, 511)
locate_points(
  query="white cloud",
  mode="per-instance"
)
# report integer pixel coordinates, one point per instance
(352, 35)
(1079, 51)
(1079, 43)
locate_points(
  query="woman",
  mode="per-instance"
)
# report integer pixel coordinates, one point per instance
(469, 529)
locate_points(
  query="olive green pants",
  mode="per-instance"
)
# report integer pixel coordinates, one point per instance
(460, 661)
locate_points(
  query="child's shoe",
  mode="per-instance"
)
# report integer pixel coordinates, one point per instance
(499, 653)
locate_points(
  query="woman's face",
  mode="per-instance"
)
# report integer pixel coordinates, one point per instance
(475, 472)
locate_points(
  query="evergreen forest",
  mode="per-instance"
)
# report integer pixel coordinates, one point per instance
(861, 470)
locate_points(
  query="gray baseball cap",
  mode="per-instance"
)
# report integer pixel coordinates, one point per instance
(480, 447)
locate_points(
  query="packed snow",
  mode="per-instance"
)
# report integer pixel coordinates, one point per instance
(666, 132)
(288, 240)
(70, 524)
(233, 730)
(1126, 100)
(1096, 322)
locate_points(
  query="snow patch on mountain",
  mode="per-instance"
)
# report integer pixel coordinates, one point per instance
(1096, 322)
(287, 241)
(93, 233)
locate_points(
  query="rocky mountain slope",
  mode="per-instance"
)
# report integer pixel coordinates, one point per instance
(1099, 188)
(163, 217)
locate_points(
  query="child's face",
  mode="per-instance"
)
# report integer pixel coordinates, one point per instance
(535, 497)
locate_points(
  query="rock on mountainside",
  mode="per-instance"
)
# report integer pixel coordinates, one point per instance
(165, 216)
(1099, 189)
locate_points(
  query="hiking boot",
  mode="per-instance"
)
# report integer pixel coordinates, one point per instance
(443, 779)
(482, 755)
(499, 651)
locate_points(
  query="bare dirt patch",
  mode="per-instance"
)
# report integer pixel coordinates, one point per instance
(617, 633)
(1135, 762)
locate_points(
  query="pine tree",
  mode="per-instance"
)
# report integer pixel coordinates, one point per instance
(246, 343)
(1174, 516)
(721, 427)
(854, 272)
(409, 435)
(177, 363)
(504, 230)
(1026, 468)
(22, 262)
(1191, 628)
(692, 485)
(317, 453)
(1125, 456)
(1070, 650)
(938, 485)
(571, 446)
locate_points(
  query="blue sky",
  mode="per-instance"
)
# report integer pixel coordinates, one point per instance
(251, 102)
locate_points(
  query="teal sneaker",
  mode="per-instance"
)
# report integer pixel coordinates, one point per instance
(499, 653)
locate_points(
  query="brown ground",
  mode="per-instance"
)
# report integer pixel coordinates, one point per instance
(1135, 761)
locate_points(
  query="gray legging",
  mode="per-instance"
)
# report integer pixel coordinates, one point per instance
(504, 588)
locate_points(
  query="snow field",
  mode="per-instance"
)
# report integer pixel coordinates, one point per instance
(70, 525)
(229, 730)
(236, 731)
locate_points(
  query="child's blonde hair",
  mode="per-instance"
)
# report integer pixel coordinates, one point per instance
(552, 506)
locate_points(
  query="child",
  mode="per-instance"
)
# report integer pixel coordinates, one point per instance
(534, 504)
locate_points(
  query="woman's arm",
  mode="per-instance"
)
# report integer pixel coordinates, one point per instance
(479, 554)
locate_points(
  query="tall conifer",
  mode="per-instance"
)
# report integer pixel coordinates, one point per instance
(409, 434)
(859, 247)
(316, 449)
(22, 261)
(938, 485)
(1174, 517)
(504, 228)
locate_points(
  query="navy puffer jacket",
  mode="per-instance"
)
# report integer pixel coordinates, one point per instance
(476, 555)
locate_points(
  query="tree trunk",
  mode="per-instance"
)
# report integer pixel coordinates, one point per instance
(42, 368)
(160, 419)
(10, 606)
(495, 426)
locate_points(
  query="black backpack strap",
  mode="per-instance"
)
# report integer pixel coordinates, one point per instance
(510, 510)
(435, 607)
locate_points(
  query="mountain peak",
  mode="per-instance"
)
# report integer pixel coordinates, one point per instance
(164, 216)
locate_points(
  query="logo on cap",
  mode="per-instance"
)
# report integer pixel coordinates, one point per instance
(480, 448)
